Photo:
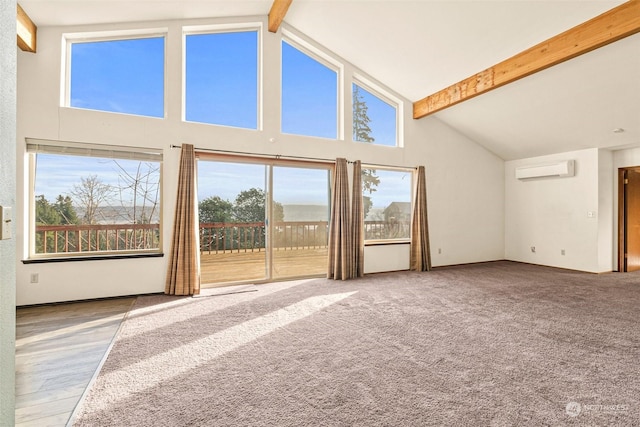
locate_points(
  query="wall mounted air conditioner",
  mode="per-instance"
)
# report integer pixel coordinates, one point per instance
(563, 168)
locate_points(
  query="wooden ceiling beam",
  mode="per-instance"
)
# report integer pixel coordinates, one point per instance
(276, 14)
(609, 27)
(26, 30)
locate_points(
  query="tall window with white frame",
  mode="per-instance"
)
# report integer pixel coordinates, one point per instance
(94, 199)
(222, 78)
(375, 119)
(309, 93)
(119, 75)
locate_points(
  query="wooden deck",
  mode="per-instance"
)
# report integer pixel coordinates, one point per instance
(223, 268)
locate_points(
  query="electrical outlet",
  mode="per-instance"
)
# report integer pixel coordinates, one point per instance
(439, 250)
(533, 249)
(561, 251)
(35, 277)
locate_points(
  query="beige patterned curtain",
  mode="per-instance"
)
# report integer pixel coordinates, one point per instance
(420, 253)
(357, 222)
(340, 250)
(183, 273)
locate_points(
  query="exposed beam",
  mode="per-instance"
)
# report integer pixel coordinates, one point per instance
(611, 26)
(26, 31)
(276, 14)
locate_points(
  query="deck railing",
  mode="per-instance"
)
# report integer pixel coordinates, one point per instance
(224, 237)
(382, 230)
(96, 238)
(219, 237)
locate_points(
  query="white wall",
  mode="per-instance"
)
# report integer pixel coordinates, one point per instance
(552, 213)
(465, 192)
(7, 198)
(607, 211)
(383, 258)
(465, 182)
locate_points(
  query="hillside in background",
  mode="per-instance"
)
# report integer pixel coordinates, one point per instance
(306, 212)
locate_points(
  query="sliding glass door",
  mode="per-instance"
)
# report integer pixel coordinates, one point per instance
(232, 209)
(300, 221)
(262, 221)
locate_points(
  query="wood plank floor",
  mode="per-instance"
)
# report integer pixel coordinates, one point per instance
(227, 267)
(58, 350)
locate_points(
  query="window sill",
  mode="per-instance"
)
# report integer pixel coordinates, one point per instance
(386, 242)
(91, 258)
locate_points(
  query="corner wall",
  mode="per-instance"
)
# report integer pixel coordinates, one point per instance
(465, 193)
(574, 214)
(7, 198)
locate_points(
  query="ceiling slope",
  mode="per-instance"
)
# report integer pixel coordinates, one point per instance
(417, 47)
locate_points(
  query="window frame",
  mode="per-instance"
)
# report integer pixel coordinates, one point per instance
(401, 240)
(226, 29)
(324, 57)
(41, 146)
(68, 39)
(386, 96)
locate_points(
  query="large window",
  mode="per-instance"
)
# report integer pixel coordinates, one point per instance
(221, 78)
(387, 203)
(90, 199)
(375, 120)
(309, 94)
(120, 76)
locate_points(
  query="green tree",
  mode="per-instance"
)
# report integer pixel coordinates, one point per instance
(64, 207)
(362, 133)
(215, 209)
(46, 213)
(361, 120)
(250, 207)
(59, 213)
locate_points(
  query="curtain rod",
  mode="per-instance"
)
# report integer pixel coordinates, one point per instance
(280, 156)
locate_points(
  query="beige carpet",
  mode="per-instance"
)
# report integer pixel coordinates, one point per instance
(487, 344)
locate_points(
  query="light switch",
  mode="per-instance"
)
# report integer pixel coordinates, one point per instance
(591, 214)
(5, 226)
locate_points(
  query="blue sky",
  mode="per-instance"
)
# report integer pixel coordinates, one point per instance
(309, 95)
(127, 76)
(57, 175)
(291, 185)
(221, 79)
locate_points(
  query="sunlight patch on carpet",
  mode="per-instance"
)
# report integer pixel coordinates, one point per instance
(155, 316)
(170, 364)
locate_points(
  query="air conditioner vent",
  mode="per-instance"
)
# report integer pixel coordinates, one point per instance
(558, 169)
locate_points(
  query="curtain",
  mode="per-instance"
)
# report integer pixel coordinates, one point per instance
(420, 253)
(357, 222)
(340, 250)
(183, 273)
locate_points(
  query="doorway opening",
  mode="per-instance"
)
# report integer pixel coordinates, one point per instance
(629, 219)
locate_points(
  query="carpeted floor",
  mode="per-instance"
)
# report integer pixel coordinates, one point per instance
(496, 344)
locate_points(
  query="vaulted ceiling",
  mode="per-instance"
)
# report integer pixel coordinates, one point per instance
(420, 47)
